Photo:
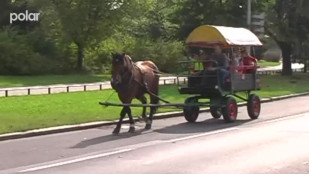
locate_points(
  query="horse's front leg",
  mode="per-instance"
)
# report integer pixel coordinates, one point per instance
(122, 115)
(132, 125)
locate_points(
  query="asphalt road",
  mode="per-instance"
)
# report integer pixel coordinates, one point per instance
(278, 142)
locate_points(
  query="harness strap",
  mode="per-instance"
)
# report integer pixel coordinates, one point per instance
(145, 84)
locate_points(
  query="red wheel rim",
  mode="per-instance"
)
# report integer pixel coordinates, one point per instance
(233, 110)
(256, 107)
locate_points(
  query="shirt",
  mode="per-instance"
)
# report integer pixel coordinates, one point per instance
(248, 60)
(221, 59)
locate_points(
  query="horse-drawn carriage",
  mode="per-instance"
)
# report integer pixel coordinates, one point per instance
(220, 85)
(207, 85)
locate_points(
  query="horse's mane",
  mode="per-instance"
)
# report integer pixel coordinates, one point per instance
(148, 63)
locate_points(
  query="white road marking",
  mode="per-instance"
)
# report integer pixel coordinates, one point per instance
(202, 134)
(75, 160)
(131, 147)
(146, 144)
(286, 118)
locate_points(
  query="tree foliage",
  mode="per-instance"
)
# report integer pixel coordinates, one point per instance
(74, 34)
(89, 22)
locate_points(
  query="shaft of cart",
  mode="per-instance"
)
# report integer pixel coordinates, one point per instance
(178, 105)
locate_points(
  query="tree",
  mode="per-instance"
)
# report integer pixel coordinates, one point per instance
(193, 13)
(287, 24)
(151, 19)
(88, 22)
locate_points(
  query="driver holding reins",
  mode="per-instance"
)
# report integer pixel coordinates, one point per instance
(222, 65)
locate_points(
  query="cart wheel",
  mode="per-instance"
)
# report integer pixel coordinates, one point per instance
(216, 112)
(254, 106)
(191, 112)
(230, 110)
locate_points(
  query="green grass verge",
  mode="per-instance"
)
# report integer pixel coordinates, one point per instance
(264, 63)
(30, 112)
(18, 81)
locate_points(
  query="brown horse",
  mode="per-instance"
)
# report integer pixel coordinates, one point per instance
(133, 80)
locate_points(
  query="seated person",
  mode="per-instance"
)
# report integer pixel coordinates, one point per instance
(196, 66)
(236, 56)
(206, 60)
(201, 62)
(248, 61)
(222, 65)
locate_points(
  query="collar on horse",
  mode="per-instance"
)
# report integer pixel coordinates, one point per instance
(130, 75)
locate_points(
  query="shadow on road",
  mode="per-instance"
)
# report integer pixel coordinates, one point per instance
(182, 128)
(107, 138)
(199, 127)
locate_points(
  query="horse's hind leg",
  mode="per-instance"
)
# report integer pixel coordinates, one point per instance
(122, 115)
(153, 100)
(143, 99)
(132, 126)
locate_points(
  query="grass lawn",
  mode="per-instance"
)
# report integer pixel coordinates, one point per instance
(18, 81)
(263, 63)
(30, 112)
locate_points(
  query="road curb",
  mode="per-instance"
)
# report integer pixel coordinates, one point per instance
(68, 128)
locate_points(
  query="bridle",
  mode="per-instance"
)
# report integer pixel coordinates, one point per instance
(126, 74)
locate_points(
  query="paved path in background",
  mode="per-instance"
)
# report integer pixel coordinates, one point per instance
(60, 88)
(277, 142)
(279, 67)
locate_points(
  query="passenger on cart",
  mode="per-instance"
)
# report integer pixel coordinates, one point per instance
(222, 65)
(236, 56)
(197, 65)
(205, 58)
(248, 62)
(201, 62)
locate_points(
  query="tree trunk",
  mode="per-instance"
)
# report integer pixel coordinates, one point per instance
(306, 66)
(80, 58)
(286, 49)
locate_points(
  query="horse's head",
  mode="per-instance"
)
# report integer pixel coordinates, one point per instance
(121, 69)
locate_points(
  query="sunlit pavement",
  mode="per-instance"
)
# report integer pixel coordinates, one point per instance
(276, 143)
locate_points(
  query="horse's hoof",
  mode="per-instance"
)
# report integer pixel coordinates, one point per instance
(116, 131)
(142, 118)
(148, 126)
(132, 129)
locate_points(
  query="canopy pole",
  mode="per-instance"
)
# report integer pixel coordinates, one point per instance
(249, 14)
(248, 48)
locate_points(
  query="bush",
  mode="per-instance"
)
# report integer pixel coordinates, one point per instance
(165, 54)
(272, 55)
(98, 59)
(27, 55)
